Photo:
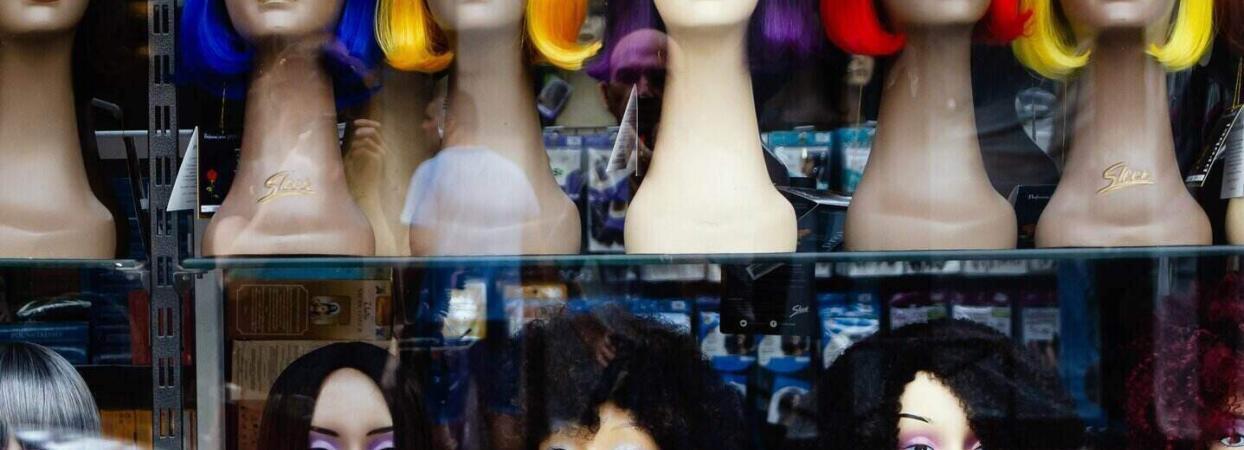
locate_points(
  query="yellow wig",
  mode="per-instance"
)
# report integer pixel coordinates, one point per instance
(411, 40)
(1050, 47)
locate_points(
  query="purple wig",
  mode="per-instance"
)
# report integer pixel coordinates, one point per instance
(213, 56)
(781, 32)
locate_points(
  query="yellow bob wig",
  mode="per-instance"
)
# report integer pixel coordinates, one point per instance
(1049, 45)
(411, 39)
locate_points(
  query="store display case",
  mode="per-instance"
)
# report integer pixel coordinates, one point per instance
(648, 224)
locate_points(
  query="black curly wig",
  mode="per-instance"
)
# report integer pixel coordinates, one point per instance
(1012, 401)
(654, 372)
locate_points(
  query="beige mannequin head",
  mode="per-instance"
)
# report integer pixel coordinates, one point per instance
(705, 13)
(31, 19)
(617, 431)
(457, 15)
(933, 418)
(258, 21)
(910, 14)
(1102, 14)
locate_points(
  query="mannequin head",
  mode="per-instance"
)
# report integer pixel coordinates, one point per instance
(219, 39)
(956, 383)
(342, 397)
(856, 25)
(415, 34)
(41, 391)
(587, 376)
(1194, 376)
(1230, 17)
(26, 19)
(780, 31)
(1056, 43)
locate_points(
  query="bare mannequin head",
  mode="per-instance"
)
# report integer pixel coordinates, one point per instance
(20, 19)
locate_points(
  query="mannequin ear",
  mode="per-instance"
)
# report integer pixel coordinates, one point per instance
(554, 26)
(410, 38)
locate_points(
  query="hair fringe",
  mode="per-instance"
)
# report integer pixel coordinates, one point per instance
(553, 26)
(1191, 36)
(854, 26)
(412, 41)
(409, 38)
(1047, 47)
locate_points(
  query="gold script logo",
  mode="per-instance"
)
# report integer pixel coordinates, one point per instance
(281, 184)
(1119, 177)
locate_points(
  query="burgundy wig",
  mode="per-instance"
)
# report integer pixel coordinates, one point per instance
(780, 31)
(1181, 394)
(855, 26)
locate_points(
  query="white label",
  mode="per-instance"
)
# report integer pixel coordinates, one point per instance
(1040, 324)
(186, 186)
(1233, 167)
(992, 317)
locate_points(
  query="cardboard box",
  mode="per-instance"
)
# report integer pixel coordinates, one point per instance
(314, 310)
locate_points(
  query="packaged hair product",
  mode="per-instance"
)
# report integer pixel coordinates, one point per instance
(846, 319)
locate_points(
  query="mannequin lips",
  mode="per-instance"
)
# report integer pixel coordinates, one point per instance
(275, 2)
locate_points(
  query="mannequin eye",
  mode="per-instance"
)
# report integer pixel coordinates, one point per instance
(919, 447)
(1232, 441)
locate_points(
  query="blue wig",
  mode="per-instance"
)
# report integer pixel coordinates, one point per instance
(214, 57)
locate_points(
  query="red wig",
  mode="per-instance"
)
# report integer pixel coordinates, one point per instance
(855, 27)
(1181, 394)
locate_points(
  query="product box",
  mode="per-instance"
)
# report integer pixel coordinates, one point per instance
(1030, 202)
(566, 161)
(69, 339)
(846, 319)
(852, 146)
(989, 308)
(804, 153)
(525, 303)
(908, 308)
(1040, 325)
(314, 309)
(255, 366)
(608, 196)
(792, 408)
(731, 355)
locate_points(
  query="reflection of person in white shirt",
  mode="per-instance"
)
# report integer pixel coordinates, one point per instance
(473, 201)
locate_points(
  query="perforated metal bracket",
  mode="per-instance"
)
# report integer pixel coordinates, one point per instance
(166, 343)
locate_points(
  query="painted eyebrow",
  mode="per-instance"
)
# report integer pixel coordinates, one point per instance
(380, 431)
(325, 431)
(914, 417)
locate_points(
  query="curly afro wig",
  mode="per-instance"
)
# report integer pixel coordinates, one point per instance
(1011, 400)
(1194, 374)
(575, 363)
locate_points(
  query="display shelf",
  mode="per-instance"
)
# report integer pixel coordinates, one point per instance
(84, 264)
(1066, 254)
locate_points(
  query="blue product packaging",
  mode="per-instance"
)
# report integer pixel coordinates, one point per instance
(793, 407)
(728, 353)
(804, 153)
(566, 162)
(69, 339)
(852, 147)
(608, 196)
(845, 320)
(785, 354)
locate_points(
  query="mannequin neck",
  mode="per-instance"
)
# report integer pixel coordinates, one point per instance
(37, 114)
(927, 102)
(289, 106)
(709, 114)
(1123, 104)
(491, 103)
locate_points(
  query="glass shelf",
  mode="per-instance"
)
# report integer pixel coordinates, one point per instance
(84, 264)
(1068, 254)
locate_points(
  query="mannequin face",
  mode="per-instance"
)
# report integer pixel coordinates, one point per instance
(351, 414)
(617, 432)
(1233, 438)
(471, 15)
(260, 20)
(32, 18)
(705, 13)
(1103, 14)
(925, 13)
(932, 418)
